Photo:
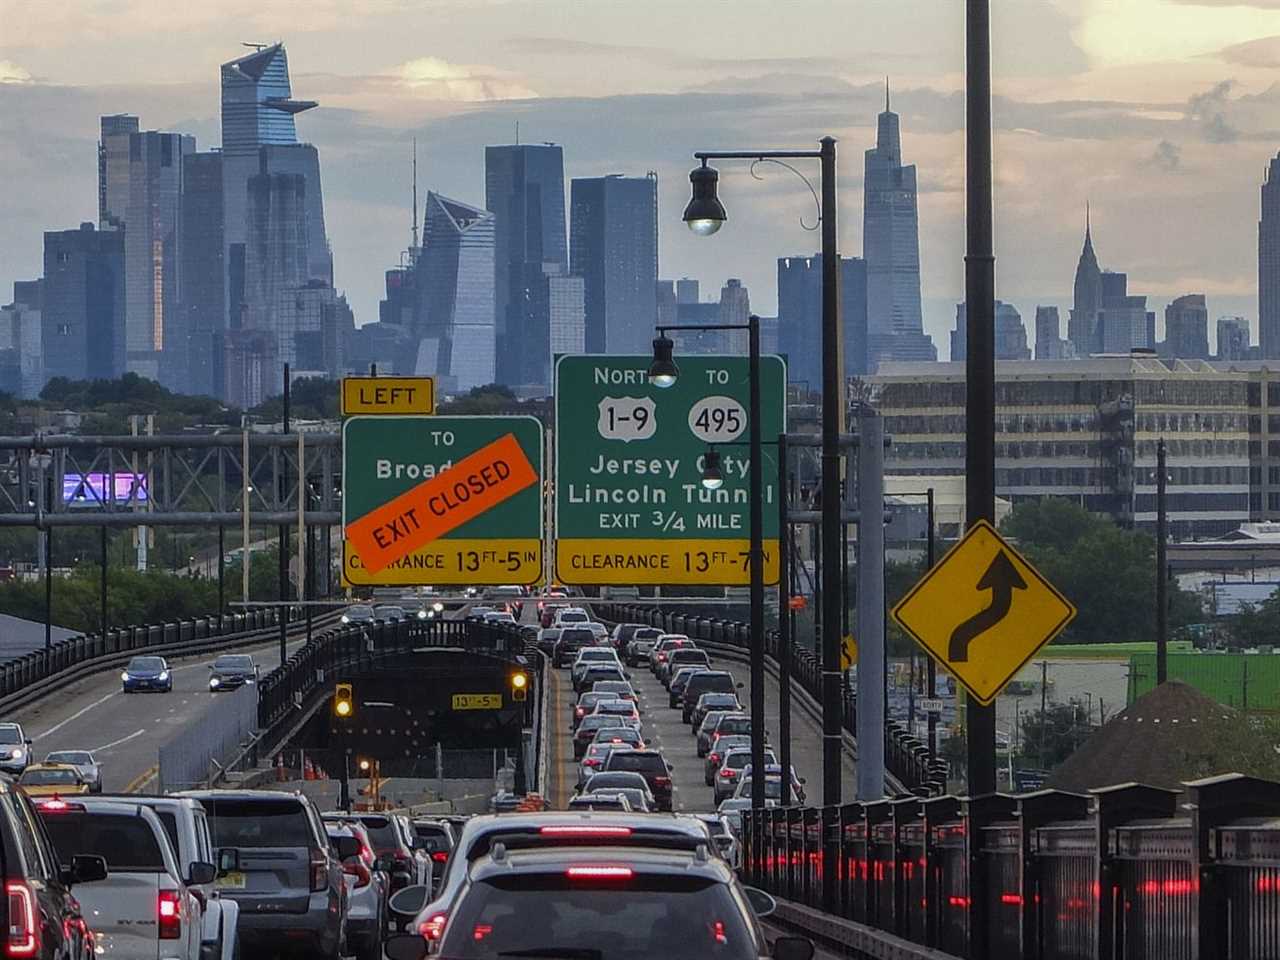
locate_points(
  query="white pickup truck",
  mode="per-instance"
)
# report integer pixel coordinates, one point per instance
(144, 909)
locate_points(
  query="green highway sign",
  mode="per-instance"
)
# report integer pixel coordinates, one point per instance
(630, 505)
(386, 457)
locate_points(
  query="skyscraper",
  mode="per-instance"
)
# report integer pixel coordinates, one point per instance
(1010, 334)
(455, 281)
(613, 232)
(113, 168)
(735, 310)
(202, 281)
(1049, 342)
(155, 345)
(1082, 324)
(800, 316)
(21, 352)
(83, 315)
(1105, 317)
(567, 304)
(1233, 339)
(1269, 264)
(1186, 328)
(524, 190)
(891, 246)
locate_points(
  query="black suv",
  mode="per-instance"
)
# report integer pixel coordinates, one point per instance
(44, 919)
(650, 765)
(570, 641)
(711, 681)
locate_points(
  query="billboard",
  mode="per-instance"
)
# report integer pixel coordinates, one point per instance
(91, 489)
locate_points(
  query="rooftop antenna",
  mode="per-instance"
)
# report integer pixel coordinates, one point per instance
(255, 46)
(517, 133)
(886, 95)
(414, 254)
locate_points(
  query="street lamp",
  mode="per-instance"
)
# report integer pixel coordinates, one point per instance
(662, 369)
(704, 215)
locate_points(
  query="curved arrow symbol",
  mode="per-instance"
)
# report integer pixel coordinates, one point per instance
(1001, 578)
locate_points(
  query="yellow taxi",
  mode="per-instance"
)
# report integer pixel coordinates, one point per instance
(52, 779)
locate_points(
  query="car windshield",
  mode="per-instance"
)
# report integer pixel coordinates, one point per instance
(10, 735)
(233, 663)
(620, 707)
(632, 918)
(772, 788)
(740, 758)
(580, 637)
(596, 655)
(647, 633)
(739, 725)
(145, 664)
(48, 778)
(638, 762)
(611, 802)
(570, 616)
(258, 823)
(382, 833)
(126, 842)
(600, 720)
(711, 701)
(617, 735)
(69, 756)
(388, 612)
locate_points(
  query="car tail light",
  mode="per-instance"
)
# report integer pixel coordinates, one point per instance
(355, 868)
(440, 856)
(403, 861)
(481, 930)
(319, 873)
(714, 759)
(728, 773)
(57, 805)
(599, 873)
(169, 913)
(591, 762)
(662, 781)
(662, 658)
(24, 931)
(581, 711)
(585, 831)
(433, 927)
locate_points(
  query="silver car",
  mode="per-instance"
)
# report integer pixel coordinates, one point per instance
(367, 886)
(86, 765)
(15, 748)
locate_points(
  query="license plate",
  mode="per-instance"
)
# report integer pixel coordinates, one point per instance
(233, 880)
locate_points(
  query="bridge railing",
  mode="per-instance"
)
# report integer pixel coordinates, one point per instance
(907, 757)
(1127, 871)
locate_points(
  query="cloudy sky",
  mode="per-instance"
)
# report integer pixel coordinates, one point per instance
(1161, 113)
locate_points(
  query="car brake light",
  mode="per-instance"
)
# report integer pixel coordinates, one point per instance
(481, 930)
(599, 873)
(169, 908)
(728, 773)
(580, 711)
(355, 868)
(433, 927)
(662, 658)
(662, 781)
(591, 762)
(57, 805)
(24, 933)
(440, 856)
(584, 831)
(717, 930)
(714, 759)
(319, 874)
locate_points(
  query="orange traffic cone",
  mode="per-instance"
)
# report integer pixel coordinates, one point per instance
(280, 774)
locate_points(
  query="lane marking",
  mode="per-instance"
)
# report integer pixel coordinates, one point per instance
(115, 743)
(76, 716)
(142, 779)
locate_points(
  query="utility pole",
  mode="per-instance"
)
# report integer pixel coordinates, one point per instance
(282, 488)
(1162, 566)
(871, 659)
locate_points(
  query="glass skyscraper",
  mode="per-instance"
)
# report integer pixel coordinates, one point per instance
(113, 168)
(613, 233)
(83, 315)
(202, 282)
(1269, 264)
(800, 316)
(524, 190)
(455, 280)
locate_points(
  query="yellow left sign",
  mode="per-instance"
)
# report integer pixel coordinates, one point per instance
(388, 395)
(477, 701)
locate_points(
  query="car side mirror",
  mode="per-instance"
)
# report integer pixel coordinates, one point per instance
(802, 780)
(405, 946)
(346, 847)
(784, 948)
(211, 668)
(202, 873)
(86, 868)
(28, 741)
(408, 903)
(670, 768)
(762, 904)
(228, 860)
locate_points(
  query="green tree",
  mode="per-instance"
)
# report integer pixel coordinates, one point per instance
(1231, 744)
(1257, 624)
(310, 398)
(1049, 737)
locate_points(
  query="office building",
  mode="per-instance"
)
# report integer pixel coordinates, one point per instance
(687, 290)
(800, 316)
(1049, 342)
(1105, 317)
(311, 328)
(1269, 264)
(83, 310)
(1233, 339)
(891, 247)
(1010, 334)
(1082, 322)
(733, 307)
(113, 168)
(1186, 328)
(567, 308)
(613, 246)
(524, 190)
(202, 281)
(21, 352)
(1087, 431)
(275, 251)
(665, 302)
(454, 280)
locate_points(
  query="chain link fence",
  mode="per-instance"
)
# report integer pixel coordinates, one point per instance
(189, 759)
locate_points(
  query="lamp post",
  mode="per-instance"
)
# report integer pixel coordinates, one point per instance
(663, 373)
(705, 215)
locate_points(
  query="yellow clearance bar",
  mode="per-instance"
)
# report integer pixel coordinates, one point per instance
(452, 563)
(632, 562)
(388, 395)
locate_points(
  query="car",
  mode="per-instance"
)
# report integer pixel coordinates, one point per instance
(231, 671)
(146, 673)
(775, 770)
(621, 635)
(15, 748)
(702, 736)
(586, 732)
(569, 903)
(283, 871)
(732, 765)
(621, 736)
(638, 647)
(437, 838)
(429, 610)
(620, 689)
(389, 613)
(143, 909)
(595, 755)
(626, 709)
(478, 610)
(511, 596)
(606, 781)
(591, 655)
(600, 801)
(570, 641)
(650, 765)
(52, 780)
(499, 616)
(586, 705)
(358, 613)
(599, 631)
(710, 681)
(367, 886)
(727, 844)
(567, 615)
(596, 672)
(663, 646)
(392, 837)
(713, 700)
(546, 641)
(84, 762)
(187, 827)
(732, 809)
(731, 724)
(715, 756)
(681, 677)
(683, 657)
(639, 799)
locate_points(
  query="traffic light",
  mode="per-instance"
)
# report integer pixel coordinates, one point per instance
(344, 706)
(519, 687)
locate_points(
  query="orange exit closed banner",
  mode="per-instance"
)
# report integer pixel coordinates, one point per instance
(474, 484)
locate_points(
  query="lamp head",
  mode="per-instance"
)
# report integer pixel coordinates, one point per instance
(663, 372)
(705, 213)
(712, 477)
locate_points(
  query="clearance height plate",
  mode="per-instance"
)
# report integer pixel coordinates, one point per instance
(630, 505)
(441, 500)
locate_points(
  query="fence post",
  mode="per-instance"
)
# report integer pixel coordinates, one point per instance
(1035, 810)
(981, 812)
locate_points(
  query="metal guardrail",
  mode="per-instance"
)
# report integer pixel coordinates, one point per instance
(1123, 872)
(907, 758)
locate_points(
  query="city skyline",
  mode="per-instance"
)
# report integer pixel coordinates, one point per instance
(1190, 146)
